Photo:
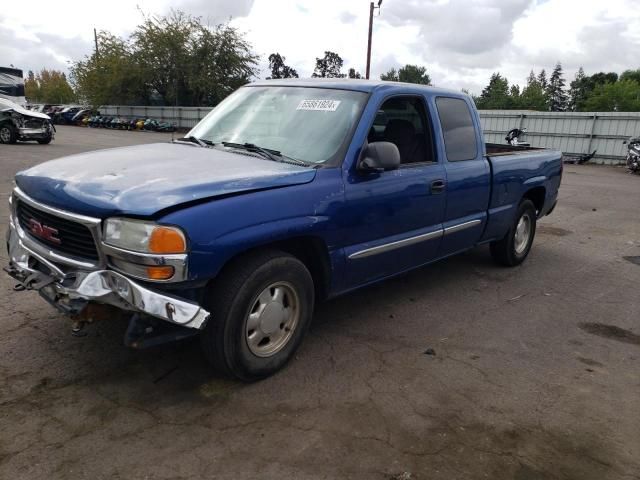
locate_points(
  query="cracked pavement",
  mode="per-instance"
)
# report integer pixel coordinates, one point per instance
(531, 377)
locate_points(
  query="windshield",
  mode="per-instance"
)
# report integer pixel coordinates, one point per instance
(308, 124)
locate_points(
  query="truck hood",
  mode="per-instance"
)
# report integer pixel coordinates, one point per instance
(145, 179)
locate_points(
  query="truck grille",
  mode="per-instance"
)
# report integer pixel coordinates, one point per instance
(60, 234)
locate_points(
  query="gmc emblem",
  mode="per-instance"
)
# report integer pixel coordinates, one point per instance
(43, 231)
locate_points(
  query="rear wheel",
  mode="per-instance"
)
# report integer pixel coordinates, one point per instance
(261, 307)
(8, 134)
(516, 244)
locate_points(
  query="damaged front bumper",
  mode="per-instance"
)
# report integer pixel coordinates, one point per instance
(72, 291)
(40, 133)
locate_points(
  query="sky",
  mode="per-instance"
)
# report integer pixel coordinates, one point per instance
(461, 42)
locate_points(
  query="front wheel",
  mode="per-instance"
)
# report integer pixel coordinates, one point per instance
(516, 244)
(261, 306)
(8, 134)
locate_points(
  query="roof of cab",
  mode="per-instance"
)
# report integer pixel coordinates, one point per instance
(351, 84)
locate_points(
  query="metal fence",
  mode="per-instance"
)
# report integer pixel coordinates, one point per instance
(570, 132)
(182, 117)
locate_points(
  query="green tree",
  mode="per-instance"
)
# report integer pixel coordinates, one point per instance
(175, 59)
(542, 79)
(31, 87)
(112, 77)
(621, 96)
(408, 74)
(578, 91)
(329, 66)
(557, 97)
(390, 76)
(353, 74)
(514, 96)
(495, 95)
(630, 75)
(188, 63)
(48, 86)
(533, 96)
(279, 69)
(601, 78)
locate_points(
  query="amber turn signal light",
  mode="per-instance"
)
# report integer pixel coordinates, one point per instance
(160, 273)
(167, 240)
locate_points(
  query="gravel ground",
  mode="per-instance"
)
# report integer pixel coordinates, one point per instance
(534, 372)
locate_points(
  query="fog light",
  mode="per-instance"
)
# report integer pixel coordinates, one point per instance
(160, 273)
(155, 272)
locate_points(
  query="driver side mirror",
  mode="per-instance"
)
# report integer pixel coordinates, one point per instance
(624, 143)
(379, 157)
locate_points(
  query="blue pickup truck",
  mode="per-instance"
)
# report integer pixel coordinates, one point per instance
(287, 193)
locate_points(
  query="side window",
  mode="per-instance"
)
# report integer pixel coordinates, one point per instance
(403, 122)
(457, 128)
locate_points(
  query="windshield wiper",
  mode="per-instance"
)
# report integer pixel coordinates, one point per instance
(268, 153)
(198, 141)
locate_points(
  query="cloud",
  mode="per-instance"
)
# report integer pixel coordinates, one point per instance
(42, 50)
(461, 42)
(461, 26)
(347, 17)
(215, 11)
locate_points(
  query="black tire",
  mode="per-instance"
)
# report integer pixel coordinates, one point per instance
(45, 141)
(231, 298)
(8, 134)
(505, 251)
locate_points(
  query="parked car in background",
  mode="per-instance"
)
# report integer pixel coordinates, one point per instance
(52, 109)
(65, 116)
(18, 123)
(287, 193)
(77, 119)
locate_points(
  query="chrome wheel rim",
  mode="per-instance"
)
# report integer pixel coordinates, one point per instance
(523, 232)
(5, 135)
(272, 319)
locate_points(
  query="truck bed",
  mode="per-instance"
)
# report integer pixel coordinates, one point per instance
(514, 171)
(496, 149)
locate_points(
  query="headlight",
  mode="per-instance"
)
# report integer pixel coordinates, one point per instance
(144, 237)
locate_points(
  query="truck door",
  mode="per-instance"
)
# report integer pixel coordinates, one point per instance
(395, 217)
(468, 175)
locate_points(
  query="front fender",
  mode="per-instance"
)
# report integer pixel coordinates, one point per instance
(225, 227)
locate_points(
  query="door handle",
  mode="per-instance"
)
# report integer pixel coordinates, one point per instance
(437, 186)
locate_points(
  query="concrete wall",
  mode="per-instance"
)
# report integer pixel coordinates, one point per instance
(570, 132)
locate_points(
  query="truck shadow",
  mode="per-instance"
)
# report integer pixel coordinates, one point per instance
(180, 366)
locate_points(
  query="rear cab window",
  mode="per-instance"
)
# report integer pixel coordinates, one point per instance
(457, 128)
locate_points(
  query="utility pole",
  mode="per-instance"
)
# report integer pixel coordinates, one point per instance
(372, 7)
(95, 38)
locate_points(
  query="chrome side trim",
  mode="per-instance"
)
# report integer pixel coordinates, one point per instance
(410, 241)
(387, 247)
(461, 226)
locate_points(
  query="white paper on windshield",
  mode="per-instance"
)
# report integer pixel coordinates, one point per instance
(319, 105)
